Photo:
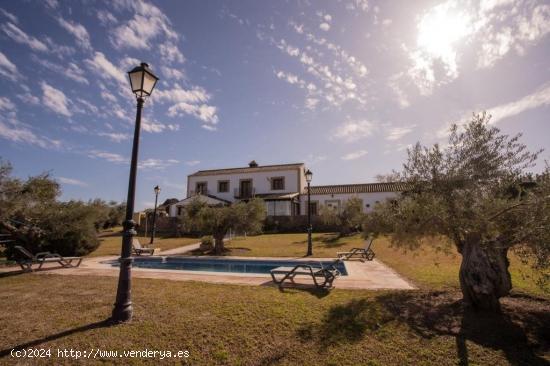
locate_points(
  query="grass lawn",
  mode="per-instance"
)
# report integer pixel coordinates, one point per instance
(242, 325)
(110, 242)
(428, 267)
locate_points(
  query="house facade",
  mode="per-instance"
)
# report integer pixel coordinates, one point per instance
(283, 187)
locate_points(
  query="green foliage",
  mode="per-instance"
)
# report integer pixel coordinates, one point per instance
(349, 219)
(35, 219)
(217, 220)
(108, 214)
(207, 240)
(475, 191)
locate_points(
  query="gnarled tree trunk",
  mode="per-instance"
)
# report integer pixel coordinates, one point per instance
(484, 275)
(218, 243)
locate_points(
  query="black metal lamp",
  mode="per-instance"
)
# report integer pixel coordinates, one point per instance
(142, 82)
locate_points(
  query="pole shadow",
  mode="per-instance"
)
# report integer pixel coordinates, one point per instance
(100, 324)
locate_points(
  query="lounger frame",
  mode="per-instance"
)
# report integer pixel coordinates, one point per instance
(45, 257)
(328, 274)
(366, 252)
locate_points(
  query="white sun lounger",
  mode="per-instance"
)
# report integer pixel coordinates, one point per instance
(365, 252)
(44, 257)
(139, 250)
(322, 276)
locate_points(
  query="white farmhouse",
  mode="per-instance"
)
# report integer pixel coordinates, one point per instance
(283, 187)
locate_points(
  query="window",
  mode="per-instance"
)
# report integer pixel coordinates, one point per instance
(201, 188)
(333, 205)
(277, 183)
(313, 208)
(223, 186)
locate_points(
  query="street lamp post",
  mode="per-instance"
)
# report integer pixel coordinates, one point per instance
(142, 81)
(157, 191)
(309, 176)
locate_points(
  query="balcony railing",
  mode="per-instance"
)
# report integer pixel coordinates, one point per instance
(244, 194)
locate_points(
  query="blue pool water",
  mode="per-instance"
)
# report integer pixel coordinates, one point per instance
(223, 265)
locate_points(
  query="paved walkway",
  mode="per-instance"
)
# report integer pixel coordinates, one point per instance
(366, 275)
(181, 250)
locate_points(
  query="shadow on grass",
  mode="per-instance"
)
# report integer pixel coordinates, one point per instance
(210, 253)
(325, 241)
(299, 288)
(53, 337)
(521, 331)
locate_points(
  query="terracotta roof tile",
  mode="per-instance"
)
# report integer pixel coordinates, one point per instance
(358, 188)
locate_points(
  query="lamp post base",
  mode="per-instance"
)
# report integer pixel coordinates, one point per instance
(122, 313)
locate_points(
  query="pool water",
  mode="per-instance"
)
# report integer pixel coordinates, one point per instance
(223, 265)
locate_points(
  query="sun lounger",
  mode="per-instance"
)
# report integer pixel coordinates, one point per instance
(365, 252)
(29, 259)
(139, 250)
(322, 276)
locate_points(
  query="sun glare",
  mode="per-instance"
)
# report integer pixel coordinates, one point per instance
(440, 29)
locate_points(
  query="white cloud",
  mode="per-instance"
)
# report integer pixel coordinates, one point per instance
(311, 103)
(324, 26)
(518, 31)
(209, 127)
(29, 98)
(394, 84)
(9, 15)
(204, 112)
(72, 182)
(19, 36)
(537, 99)
(106, 18)
(337, 88)
(192, 162)
(54, 4)
(72, 71)
(158, 164)
(354, 130)
(78, 31)
(21, 134)
(55, 99)
(147, 23)
(110, 157)
(354, 155)
(157, 127)
(189, 101)
(170, 52)
(396, 133)
(108, 96)
(172, 73)
(104, 68)
(6, 104)
(116, 137)
(195, 94)
(358, 5)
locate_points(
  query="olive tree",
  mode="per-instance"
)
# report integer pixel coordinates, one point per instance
(217, 220)
(348, 219)
(33, 217)
(476, 191)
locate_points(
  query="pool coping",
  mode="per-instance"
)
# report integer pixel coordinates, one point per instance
(365, 275)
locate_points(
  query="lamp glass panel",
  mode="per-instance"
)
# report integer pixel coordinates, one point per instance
(135, 81)
(148, 83)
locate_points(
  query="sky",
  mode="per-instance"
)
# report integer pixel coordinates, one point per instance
(343, 86)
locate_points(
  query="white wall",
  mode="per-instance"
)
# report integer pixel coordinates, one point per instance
(260, 182)
(368, 199)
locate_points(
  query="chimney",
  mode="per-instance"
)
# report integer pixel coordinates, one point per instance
(253, 164)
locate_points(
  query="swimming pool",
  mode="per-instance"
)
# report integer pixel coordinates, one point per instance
(222, 265)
